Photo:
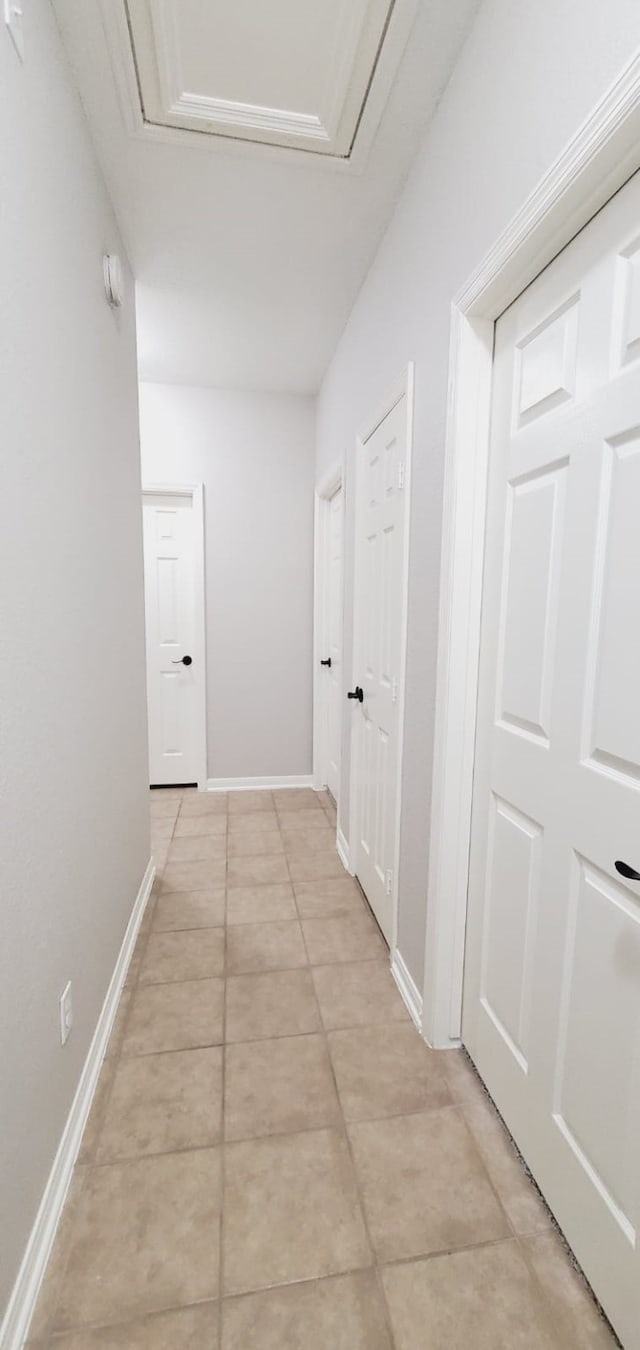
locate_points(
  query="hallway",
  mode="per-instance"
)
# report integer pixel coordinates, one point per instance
(274, 1159)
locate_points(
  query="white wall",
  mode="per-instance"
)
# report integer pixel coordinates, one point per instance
(526, 79)
(255, 455)
(73, 802)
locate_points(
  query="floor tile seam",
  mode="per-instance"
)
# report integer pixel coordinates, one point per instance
(74, 1328)
(360, 1198)
(128, 1159)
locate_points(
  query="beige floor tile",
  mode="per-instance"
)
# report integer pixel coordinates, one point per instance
(242, 802)
(299, 842)
(98, 1110)
(160, 1103)
(163, 807)
(174, 1017)
(190, 909)
(184, 1329)
(358, 994)
(386, 1071)
(355, 938)
(296, 799)
(204, 804)
(253, 822)
(194, 954)
(424, 1186)
(265, 946)
(311, 818)
(476, 1300)
(579, 1324)
(257, 871)
(198, 848)
(329, 899)
(278, 1087)
(345, 1312)
(194, 876)
(301, 1188)
(520, 1199)
(193, 826)
(463, 1080)
(278, 1003)
(316, 867)
(162, 827)
(145, 1239)
(254, 843)
(47, 1301)
(331, 814)
(259, 904)
(119, 1025)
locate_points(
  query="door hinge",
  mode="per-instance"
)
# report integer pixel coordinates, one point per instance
(389, 880)
(400, 475)
(394, 689)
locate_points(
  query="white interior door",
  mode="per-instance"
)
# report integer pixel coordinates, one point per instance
(380, 525)
(175, 677)
(552, 977)
(331, 643)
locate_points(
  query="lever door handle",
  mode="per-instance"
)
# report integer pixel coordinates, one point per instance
(356, 693)
(327, 662)
(626, 871)
(183, 661)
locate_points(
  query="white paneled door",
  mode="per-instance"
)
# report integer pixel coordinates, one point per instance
(552, 977)
(330, 640)
(175, 678)
(378, 638)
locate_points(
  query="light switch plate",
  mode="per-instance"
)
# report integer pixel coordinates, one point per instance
(14, 20)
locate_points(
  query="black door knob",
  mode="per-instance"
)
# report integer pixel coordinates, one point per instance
(356, 693)
(327, 662)
(626, 871)
(184, 661)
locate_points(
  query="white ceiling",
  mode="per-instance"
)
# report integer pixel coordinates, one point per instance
(254, 153)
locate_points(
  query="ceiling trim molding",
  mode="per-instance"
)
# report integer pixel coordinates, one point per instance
(119, 45)
(224, 112)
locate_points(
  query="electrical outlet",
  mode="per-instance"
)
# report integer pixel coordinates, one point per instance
(14, 20)
(66, 1013)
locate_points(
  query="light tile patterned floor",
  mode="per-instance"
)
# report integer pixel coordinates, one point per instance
(274, 1159)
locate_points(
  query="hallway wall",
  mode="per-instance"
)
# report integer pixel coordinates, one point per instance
(255, 455)
(74, 838)
(526, 79)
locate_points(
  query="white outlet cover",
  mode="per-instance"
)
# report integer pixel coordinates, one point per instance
(14, 20)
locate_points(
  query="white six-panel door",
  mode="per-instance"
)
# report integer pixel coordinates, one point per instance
(380, 525)
(174, 689)
(552, 975)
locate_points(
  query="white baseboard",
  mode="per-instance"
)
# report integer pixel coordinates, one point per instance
(248, 784)
(343, 852)
(27, 1286)
(411, 995)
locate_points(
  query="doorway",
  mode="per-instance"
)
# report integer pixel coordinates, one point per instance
(175, 634)
(551, 1012)
(376, 697)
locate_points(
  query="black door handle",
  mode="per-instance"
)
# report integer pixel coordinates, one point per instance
(356, 693)
(327, 662)
(184, 661)
(626, 871)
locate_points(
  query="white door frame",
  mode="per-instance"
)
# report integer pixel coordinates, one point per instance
(596, 162)
(331, 483)
(196, 492)
(403, 387)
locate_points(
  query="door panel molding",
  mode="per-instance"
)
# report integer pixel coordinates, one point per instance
(195, 491)
(599, 159)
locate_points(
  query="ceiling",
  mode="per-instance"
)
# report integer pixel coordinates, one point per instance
(254, 151)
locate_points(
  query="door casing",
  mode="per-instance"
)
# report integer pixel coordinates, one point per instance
(603, 154)
(403, 387)
(331, 483)
(196, 492)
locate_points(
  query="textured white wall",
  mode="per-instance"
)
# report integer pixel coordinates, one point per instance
(527, 77)
(255, 455)
(73, 802)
